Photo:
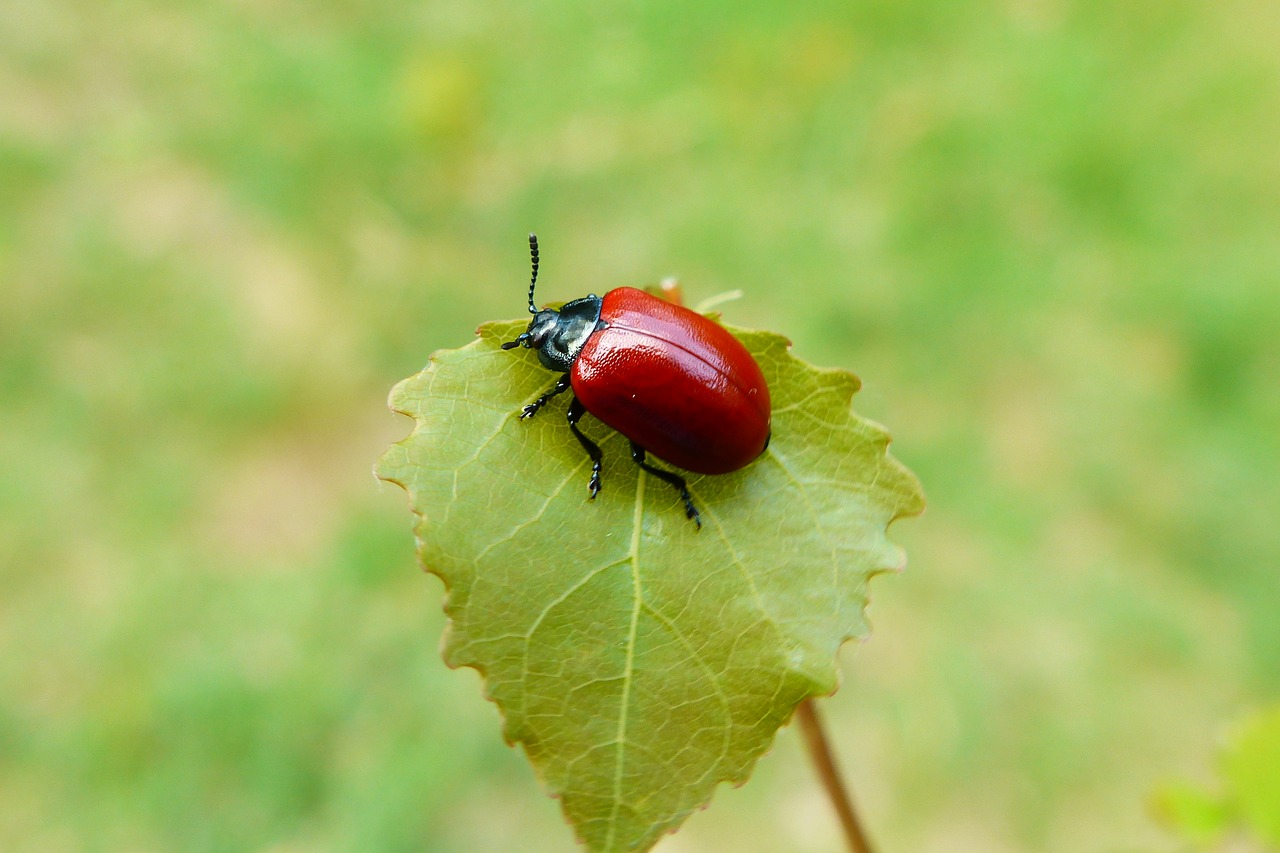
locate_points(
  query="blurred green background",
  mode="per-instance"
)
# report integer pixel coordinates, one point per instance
(1046, 234)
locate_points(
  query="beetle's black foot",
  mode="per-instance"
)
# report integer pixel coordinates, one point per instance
(594, 484)
(529, 411)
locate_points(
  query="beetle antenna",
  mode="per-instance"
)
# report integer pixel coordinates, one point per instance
(533, 279)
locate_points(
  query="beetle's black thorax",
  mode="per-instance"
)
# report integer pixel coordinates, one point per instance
(559, 336)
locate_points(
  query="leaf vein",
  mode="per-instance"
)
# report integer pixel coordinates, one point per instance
(623, 707)
(551, 605)
(818, 526)
(727, 729)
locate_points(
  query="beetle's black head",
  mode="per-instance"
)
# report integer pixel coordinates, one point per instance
(558, 336)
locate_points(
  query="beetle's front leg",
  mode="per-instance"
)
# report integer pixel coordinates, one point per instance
(532, 409)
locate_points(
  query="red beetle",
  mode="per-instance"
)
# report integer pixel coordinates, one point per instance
(676, 384)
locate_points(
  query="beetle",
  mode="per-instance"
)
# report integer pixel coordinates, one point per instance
(674, 383)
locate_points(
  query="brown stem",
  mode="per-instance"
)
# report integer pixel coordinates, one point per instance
(824, 760)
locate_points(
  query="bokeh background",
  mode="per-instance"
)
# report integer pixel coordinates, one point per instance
(1045, 233)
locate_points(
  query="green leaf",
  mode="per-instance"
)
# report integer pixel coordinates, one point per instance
(638, 661)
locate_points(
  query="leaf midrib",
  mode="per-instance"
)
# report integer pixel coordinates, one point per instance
(624, 703)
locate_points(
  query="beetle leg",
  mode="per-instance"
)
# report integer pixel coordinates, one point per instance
(638, 454)
(576, 411)
(532, 409)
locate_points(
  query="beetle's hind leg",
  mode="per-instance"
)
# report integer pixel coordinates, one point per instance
(638, 454)
(576, 411)
(530, 410)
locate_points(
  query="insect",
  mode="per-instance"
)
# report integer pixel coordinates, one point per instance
(674, 383)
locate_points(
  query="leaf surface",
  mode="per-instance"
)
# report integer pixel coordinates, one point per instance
(638, 661)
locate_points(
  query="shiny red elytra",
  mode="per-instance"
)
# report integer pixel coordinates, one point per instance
(674, 383)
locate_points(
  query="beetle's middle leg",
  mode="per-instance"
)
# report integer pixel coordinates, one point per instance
(576, 411)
